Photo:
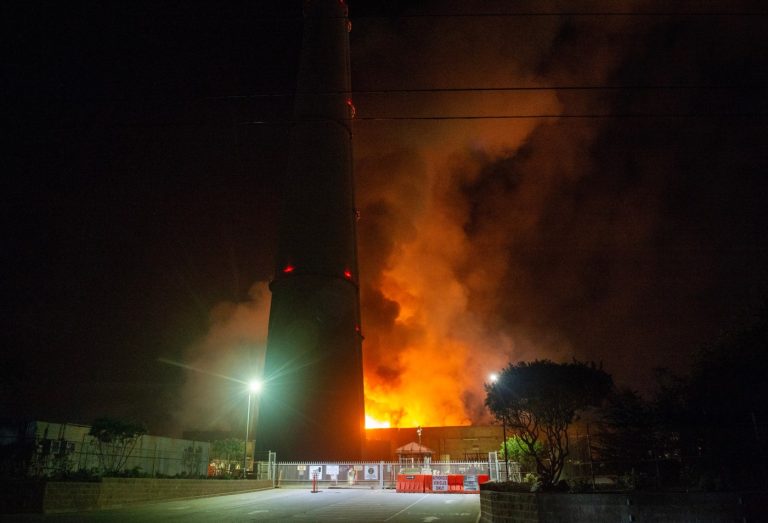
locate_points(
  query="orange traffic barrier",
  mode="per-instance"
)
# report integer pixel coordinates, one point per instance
(456, 483)
(411, 482)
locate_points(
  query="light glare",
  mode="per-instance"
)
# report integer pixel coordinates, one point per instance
(372, 423)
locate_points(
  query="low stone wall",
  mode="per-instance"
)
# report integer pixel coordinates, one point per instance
(65, 496)
(670, 507)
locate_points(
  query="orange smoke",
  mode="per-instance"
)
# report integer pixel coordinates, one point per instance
(431, 287)
(426, 356)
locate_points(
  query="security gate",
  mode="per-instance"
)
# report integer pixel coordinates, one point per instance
(365, 474)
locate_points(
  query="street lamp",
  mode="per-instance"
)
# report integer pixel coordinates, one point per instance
(495, 379)
(421, 451)
(254, 386)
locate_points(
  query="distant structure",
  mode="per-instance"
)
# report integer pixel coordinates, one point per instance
(312, 405)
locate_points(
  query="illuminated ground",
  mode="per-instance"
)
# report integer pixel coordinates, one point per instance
(290, 505)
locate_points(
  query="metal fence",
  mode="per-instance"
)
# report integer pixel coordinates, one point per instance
(364, 474)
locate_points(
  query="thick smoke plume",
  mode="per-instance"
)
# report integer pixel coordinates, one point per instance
(624, 240)
(221, 364)
(485, 242)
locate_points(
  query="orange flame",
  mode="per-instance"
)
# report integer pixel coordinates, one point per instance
(428, 352)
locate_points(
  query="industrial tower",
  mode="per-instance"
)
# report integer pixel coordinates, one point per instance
(312, 404)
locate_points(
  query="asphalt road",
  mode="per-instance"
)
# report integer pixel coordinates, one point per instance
(288, 505)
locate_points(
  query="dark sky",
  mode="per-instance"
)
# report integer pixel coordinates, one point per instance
(139, 197)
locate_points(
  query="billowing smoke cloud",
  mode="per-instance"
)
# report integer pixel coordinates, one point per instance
(628, 241)
(505, 240)
(220, 365)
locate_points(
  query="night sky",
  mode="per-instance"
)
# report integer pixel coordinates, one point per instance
(616, 213)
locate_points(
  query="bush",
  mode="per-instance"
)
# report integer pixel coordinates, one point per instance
(135, 472)
(85, 475)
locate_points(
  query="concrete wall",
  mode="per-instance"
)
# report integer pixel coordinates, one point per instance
(68, 447)
(58, 448)
(679, 507)
(65, 496)
(508, 507)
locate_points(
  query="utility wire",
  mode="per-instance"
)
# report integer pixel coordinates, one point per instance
(428, 90)
(417, 90)
(582, 116)
(586, 116)
(742, 118)
(524, 14)
(565, 13)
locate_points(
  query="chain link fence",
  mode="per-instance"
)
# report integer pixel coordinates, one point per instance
(382, 474)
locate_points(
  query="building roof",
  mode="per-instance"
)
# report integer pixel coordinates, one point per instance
(413, 448)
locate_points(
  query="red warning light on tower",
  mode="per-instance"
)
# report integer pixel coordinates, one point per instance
(352, 110)
(348, 274)
(288, 269)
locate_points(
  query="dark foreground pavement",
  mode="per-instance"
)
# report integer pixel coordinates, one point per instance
(288, 505)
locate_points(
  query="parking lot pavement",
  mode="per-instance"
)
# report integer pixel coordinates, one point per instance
(277, 505)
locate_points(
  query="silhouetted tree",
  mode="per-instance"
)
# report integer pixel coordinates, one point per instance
(539, 400)
(114, 441)
(515, 450)
(192, 459)
(720, 410)
(229, 453)
(631, 441)
(628, 428)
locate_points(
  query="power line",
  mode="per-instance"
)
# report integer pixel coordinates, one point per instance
(417, 90)
(566, 13)
(520, 14)
(756, 118)
(584, 116)
(427, 90)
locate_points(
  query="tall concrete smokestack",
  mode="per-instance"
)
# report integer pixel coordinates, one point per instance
(312, 404)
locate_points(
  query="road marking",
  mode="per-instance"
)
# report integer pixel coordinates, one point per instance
(406, 508)
(429, 519)
(260, 511)
(179, 508)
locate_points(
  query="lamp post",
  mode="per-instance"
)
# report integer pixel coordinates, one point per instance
(421, 452)
(254, 386)
(495, 379)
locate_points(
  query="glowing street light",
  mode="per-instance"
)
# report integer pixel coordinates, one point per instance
(494, 378)
(254, 387)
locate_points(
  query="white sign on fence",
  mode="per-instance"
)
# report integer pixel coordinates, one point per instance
(440, 483)
(371, 472)
(470, 482)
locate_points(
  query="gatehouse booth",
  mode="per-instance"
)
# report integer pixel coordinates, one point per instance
(414, 456)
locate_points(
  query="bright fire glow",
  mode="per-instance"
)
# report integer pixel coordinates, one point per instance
(429, 300)
(371, 423)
